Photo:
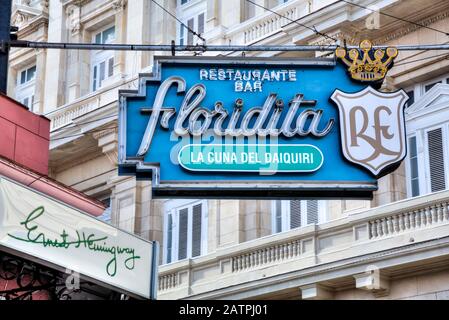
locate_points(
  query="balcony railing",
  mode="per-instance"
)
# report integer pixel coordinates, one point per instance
(272, 22)
(64, 116)
(382, 228)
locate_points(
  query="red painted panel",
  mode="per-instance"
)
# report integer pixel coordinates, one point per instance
(16, 113)
(25, 135)
(32, 151)
(7, 138)
(44, 128)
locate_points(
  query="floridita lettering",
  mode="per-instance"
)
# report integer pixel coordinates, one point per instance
(265, 120)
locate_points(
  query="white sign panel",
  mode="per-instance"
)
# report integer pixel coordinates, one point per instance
(51, 231)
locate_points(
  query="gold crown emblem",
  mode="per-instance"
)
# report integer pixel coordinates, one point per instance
(366, 64)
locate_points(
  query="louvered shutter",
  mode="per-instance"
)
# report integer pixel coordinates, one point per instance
(201, 23)
(189, 34)
(196, 230)
(295, 214)
(436, 160)
(312, 211)
(278, 216)
(169, 237)
(183, 225)
(414, 175)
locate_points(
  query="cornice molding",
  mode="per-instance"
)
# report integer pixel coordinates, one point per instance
(412, 27)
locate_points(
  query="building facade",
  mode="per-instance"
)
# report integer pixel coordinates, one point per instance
(392, 247)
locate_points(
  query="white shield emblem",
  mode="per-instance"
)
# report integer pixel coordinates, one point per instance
(372, 127)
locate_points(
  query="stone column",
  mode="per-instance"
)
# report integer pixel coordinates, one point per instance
(119, 7)
(56, 63)
(133, 209)
(73, 13)
(39, 89)
(392, 187)
(259, 8)
(212, 14)
(123, 202)
(231, 12)
(256, 215)
(230, 222)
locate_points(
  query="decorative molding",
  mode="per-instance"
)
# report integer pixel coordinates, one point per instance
(108, 142)
(119, 5)
(73, 12)
(20, 19)
(341, 35)
(398, 33)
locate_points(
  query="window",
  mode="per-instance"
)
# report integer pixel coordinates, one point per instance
(185, 231)
(195, 23)
(411, 100)
(436, 160)
(105, 36)
(249, 10)
(427, 166)
(102, 61)
(293, 214)
(25, 86)
(414, 176)
(27, 75)
(183, 1)
(106, 216)
(429, 86)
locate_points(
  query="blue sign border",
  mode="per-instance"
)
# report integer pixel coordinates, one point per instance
(136, 166)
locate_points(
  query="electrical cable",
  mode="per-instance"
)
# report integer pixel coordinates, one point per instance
(394, 17)
(313, 28)
(421, 59)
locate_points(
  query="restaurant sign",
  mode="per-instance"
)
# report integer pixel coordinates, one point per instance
(255, 127)
(37, 227)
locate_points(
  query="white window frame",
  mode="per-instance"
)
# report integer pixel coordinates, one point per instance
(26, 90)
(286, 216)
(408, 168)
(444, 135)
(173, 207)
(101, 56)
(441, 79)
(191, 9)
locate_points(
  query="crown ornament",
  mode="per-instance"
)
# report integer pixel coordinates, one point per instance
(366, 64)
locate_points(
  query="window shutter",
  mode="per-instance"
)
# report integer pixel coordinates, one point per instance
(94, 80)
(189, 34)
(110, 67)
(414, 173)
(196, 230)
(183, 225)
(295, 214)
(169, 237)
(23, 76)
(102, 73)
(201, 23)
(436, 160)
(278, 216)
(181, 34)
(312, 211)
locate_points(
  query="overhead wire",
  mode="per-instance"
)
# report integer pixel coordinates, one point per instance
(395, 17)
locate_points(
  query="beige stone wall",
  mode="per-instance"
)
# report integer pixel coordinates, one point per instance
(429, 286)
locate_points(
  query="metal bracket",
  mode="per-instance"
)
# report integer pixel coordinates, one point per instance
(173, 51)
